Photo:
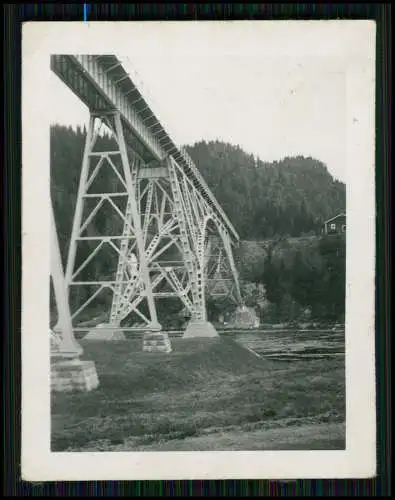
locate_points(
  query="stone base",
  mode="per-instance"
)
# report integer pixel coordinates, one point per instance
(102, 332)
(156, 342)
(199, 329)
(73, 375)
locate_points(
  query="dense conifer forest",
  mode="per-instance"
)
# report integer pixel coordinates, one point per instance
(288, 269)
(290, 197)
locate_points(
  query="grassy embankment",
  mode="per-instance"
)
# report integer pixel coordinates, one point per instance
(208, 394)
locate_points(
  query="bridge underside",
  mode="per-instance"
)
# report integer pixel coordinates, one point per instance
(146, 226)
(149, 234)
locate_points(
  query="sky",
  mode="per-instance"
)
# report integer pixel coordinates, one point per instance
(271, 106)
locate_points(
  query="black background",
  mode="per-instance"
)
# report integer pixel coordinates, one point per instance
(15, 15)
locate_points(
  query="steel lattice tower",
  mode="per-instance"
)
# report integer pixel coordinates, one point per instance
(164, 234)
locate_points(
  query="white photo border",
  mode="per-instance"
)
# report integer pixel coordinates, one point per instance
(354, 42)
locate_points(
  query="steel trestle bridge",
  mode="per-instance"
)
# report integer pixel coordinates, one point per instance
(165, 235)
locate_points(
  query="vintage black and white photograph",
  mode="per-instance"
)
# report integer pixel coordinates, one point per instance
(199, 240)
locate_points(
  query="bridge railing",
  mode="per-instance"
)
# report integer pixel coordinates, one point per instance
(151, 101)
(145, 92)
(192, 166)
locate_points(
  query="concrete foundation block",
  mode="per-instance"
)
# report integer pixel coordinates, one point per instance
(73, 375)
(199, 329)
(156, 342)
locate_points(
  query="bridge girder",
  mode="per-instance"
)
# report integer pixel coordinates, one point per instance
(160, 241)
(102, 84)
(167, 215)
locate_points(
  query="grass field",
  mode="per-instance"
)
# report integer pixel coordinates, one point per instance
(208, 394)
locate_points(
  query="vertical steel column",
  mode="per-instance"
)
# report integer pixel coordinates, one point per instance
(122, 261)
(79, 208)
(200, 277)
(136, 223)
(200, 312)
(199, 309)
(68, 347)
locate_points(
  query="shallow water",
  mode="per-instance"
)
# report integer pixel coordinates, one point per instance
(293, 345)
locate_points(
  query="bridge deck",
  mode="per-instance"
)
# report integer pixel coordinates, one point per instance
(102, 84)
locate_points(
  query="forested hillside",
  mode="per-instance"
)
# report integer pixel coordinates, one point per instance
(293, 278)
(289, 197)
(265, 201)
